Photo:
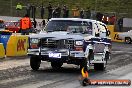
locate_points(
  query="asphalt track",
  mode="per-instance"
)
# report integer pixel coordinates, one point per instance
(15, 72)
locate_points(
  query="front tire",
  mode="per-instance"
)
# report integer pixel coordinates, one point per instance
(128, 40)
(35, 62)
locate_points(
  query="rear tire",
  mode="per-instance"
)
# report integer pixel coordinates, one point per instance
(56, 65)
(128, 40)
(35, 62)
(99, 66)
(107, 56)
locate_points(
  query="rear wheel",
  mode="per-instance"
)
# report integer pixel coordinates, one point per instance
(107, 56)
(56, 65)
(35, 62)
(128, 40)
(99, 66)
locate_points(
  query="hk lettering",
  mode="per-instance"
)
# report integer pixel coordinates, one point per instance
(20, 45)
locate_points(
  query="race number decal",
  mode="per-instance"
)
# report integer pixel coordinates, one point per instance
(116, 37)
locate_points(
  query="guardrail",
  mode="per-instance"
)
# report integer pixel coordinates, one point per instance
(113, 34)
(17, 45)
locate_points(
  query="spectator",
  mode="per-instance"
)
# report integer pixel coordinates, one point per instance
(82, 13)
(58, 11)
(33, 8)
(34, 23)
(43, 23)
(18, 8)
(76, 12)
(50, 10)
(28, 9)
(93, 14)
(54, 13)
(120, 24)
(25, 25)
(65, 12)
(42, 12)
(99, 16)
(88, 13)
(112, 20)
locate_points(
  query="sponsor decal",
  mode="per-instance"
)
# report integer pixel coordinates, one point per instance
(116, 37)
(3, 36)
(20, 45)
(85, 81)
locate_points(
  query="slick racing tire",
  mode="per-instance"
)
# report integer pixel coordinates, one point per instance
(35, 62)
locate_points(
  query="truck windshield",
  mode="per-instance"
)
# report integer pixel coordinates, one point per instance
(70, 26)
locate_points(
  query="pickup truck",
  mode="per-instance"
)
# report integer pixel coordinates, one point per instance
(126, 36)
(82, 42)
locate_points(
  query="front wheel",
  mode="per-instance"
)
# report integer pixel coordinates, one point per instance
(128, 40)
(35, 62)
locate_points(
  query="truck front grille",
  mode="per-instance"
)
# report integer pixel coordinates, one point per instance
(52, 43)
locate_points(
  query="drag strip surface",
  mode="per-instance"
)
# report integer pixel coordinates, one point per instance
(20, 75)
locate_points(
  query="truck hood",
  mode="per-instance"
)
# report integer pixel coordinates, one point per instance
(60, 35)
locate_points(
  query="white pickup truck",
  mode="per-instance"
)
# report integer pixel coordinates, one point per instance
(76, 41)
(126, 36)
